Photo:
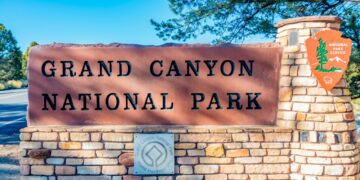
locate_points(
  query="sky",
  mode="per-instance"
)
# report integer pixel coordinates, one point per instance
(89, 21)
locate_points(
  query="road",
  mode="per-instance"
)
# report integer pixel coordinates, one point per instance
(13, 104)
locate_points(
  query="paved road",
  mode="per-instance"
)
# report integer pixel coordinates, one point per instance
(13, 104)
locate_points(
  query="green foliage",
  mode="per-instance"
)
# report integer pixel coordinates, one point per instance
(10, 56)
(231, 21)
(14, 84)
(25, 58)
(353, 75)
(2, 86)
(234, 20)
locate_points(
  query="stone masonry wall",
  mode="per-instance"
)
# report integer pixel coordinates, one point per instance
(106, 152)
(314, 136)
(324, 142)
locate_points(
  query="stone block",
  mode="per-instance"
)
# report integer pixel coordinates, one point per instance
(240, 137)
(187, 160)
(312, 146)
(284, 105)
(30, 145)
(39, 153)
(186, 170)
(276, 159)
(64, 136)
(117, 137)
(287, 115)
(100, 161)
(237, 153)
(248, 160)
(301, 107)
(333, 117)
(188, 177)
(350, 169)
(55, 161)
(311, 169)
(340, 127)
(25, 136)
(315, 24)
(293, 70)
(114, 170)
(206, 169)
(108, 153)
(316, 91)
(73, 153)
(278, 137)
(285, 81)
(197, 152)
(69, 145)
(31, 161)
(322, 108)
(127, 159)
(304, 70)
(232, 169)
(74, 161)
(205, 137)
(44, 136)
(324, 99)
(334, 170)
(318, 160)
(215, 150)
(42, 170)
(65, 170)
(256, 137)
(267, 168)
(50, 145)
(304, 81)
(298, 98)
(285, 94)
(79, 137)
(92, 145)
(214, 160)
(109, 145)
(185, 146)
(315, 117)
(250, 145)
(95, 136)
(90, 170)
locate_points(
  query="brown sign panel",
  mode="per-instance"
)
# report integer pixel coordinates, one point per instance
(153, 85)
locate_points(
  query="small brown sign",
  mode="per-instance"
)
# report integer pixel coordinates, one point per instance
(153, 85)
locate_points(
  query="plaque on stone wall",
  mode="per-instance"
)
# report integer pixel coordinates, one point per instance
(153, 85)
(154, 154)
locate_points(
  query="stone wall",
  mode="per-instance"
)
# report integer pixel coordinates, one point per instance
(314, 136)
(324, 142)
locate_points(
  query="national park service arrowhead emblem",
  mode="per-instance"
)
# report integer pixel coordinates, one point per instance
(328, 56)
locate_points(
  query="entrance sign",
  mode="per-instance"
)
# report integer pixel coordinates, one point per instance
(149, 85)
(328, 56)
(154, 154)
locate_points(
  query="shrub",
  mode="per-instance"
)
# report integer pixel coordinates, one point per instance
(14, 84)
(2, 86)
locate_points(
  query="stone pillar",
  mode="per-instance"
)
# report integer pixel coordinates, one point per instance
(324, 142)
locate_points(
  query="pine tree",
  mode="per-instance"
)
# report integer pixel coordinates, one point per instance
(25, 58)
(10, 56)
(321, 55)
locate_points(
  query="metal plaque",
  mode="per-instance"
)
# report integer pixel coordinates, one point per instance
(154, 154)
